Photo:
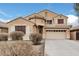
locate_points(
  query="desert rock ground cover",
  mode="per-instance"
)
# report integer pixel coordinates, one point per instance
(20, 48)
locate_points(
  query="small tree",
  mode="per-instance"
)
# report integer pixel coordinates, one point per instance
(36, 38)
(3, 36)
(17, 35)
(76, 7)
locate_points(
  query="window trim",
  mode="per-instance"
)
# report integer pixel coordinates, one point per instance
(55, 30)
(49, 21)
(21, 29)
(60, 22)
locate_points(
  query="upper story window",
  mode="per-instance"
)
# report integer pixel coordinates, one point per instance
(60, 21)
(49, 21)
(20, 28)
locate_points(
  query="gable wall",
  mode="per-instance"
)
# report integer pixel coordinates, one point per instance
(54, 17)
(21, 22)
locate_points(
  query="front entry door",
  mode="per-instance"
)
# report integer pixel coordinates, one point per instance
(40, 29)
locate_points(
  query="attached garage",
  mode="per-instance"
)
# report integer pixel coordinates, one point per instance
(55, 34)
(74, 33)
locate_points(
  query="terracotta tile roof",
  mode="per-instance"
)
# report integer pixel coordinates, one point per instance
(35, 15)
(38, 14)
(20, 18)
(57, 14)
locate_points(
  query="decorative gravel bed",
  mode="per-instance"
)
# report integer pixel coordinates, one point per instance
(20, 48)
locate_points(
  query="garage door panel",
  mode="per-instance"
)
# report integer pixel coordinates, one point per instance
(55, 35)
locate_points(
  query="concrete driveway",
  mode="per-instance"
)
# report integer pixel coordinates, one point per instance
(62, 47)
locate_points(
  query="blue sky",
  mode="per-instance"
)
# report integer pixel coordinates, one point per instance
(13, 10)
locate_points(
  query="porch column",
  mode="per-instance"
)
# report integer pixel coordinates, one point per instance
(44, 33)
(68, 34)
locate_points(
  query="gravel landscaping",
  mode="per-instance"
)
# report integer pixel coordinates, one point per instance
(20, 48)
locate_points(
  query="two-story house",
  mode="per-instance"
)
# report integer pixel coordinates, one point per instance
(56, 25)
(51, 25)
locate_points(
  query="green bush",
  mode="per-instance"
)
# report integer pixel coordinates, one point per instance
(36, 38)
(3, 36)
(17, 35)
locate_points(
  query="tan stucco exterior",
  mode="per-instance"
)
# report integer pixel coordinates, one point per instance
(73, 35)
(68, 34)
(39, 19)
(21, 22)
(48, 15)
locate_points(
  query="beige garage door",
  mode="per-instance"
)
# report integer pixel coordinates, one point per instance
(55, 34)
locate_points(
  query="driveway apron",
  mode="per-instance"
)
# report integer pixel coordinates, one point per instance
(61, 47)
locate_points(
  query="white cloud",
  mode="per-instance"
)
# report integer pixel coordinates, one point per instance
(4, 14)
(3, 20)
(72, 20)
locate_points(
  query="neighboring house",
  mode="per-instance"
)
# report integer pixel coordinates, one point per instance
(74, 33)
(3, 27)
(51, 25)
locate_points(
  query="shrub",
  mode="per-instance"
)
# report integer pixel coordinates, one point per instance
(3, 36)
(15, 48)
(36, 38)
(17, 35)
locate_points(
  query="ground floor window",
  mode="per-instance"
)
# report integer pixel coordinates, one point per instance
(55, 30)
(20, 28)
